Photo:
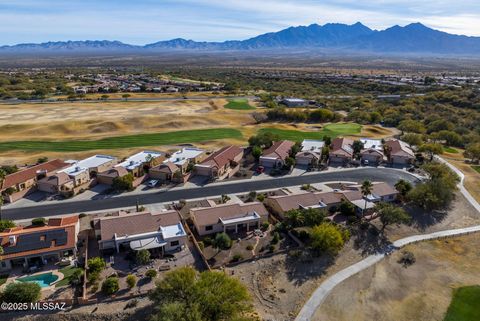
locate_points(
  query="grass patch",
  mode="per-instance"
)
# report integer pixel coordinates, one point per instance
(464, 305)
(3, 279)
(476, 168)
(167, 138)
(67, 272)
(332, 130)
(450, 150)
(239, 104)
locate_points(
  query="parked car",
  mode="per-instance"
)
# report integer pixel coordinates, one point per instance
(152, 183)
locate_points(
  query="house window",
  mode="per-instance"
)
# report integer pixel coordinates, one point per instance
(174, 243)
(208, 227)
(3, 264)
(42, 238)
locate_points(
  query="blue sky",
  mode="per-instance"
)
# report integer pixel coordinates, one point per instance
(146, 21)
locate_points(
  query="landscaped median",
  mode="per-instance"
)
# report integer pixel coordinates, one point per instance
(130, 141)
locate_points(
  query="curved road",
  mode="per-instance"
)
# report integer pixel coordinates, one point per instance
(388, 175)
(321, 293)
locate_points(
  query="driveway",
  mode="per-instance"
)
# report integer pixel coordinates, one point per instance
(390, 176)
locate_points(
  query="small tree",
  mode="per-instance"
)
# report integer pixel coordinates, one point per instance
(223, 241)
(473, 152)
(110, 285)
(357, 147)
(366, 190)
(76, 277)
(142, 257)
(391, 214)
(96, 264)
(327, 238)
(131, 281)
(403, 187)
(346, 208)
(19, 292)
(125, 183)
(431, 149)
(126, 96)
(289, 162)
(256, 152)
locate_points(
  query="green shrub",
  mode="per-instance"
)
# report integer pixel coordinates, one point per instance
(276, 238)
(110, 286)
(236, 258)
(271, 248)
(131, 281)
(151, 273)
(142, 257)
(19, 292)
(5, 224)
(96, 264)
(249, 247)
(261, 197)
(39, 221)
(82, 215)
(265, 226)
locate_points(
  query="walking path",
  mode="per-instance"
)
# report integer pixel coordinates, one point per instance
(327, 286)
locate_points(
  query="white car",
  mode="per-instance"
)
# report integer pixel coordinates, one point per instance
(152, 183)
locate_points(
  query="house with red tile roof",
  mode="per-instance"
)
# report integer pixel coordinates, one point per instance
(398, 152)
(37, 245)
(322, 200)
(159, 233)
(220, 164)
(341, 151)
(229, 218)
(24, 181)
(275, 156)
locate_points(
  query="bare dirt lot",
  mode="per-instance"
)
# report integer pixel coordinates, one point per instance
(422, 291)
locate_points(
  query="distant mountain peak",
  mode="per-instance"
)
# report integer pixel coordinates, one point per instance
(412, 38)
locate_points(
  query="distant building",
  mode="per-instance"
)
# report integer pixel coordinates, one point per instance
(311, 153)
(372, 151)
(294, 102)
(222, 163)
(399, 153)
(341, 151)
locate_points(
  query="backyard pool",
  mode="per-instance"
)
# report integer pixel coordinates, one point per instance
(44, 279)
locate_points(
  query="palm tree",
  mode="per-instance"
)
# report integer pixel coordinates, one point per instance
(366, 190)
(2, 177)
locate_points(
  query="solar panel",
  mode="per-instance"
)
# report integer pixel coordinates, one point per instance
(34, 241)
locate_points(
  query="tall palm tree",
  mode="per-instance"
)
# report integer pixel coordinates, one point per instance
(366, 190)
(2, 177)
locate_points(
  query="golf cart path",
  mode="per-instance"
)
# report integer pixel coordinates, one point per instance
(321, 293)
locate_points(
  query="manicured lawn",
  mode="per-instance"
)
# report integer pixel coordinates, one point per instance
(450, 150)
(332, 130)
(167, 138)
(239, 104)
(464, 305)
(3, 279)
(477, 168)
(67, 272)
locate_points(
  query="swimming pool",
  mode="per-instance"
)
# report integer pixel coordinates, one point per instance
(44, 279)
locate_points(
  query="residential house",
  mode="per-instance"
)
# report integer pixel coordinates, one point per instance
(36, 246)
(341, 151)
(108, 176)
(78, 176)
(381, 192)
(228, 218)
(24, 181)
(276, 155)
(399, 153)
(372, 152)
(284, 203)
(176, 166)
(220, 164)
(140, 163)
(311, 153)
(159, 233)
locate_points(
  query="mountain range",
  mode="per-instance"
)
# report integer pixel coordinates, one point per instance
(414, 38)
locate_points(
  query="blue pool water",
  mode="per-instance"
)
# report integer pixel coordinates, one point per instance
(44, 279)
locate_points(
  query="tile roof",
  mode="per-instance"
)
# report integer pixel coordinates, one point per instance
(117, 171)
(58, 234)
(58, 179)
(24, 175)
(279, 150)
(212, 215)
(306, 199)
(399, 148)
(135, 223)
(342, 147)
(167, 167)
(222, 156)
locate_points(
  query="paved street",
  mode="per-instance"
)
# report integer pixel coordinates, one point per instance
(390, 176)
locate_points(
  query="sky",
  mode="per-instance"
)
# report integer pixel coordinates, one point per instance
(146, 21)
